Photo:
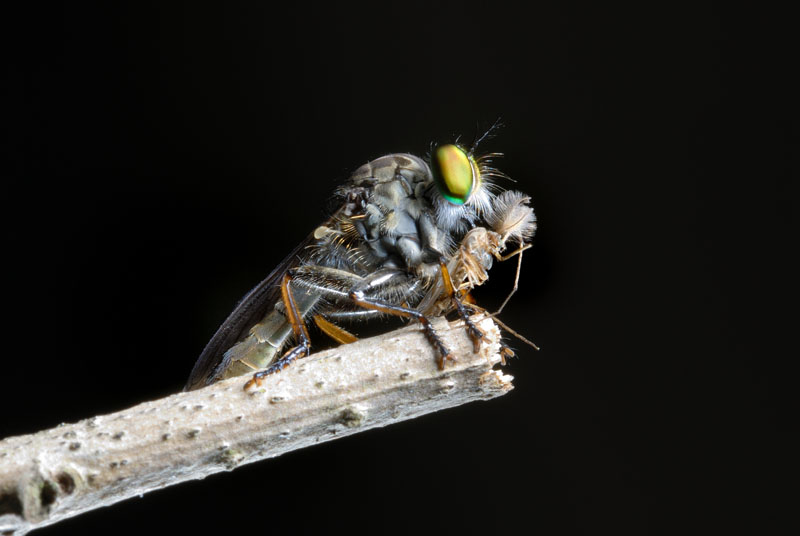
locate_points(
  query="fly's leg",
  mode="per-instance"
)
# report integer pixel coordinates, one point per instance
(331, 283)
(337, 333)
(349, 316)
(362, 294)
(300, 333)
(464, 311)
(378, 305)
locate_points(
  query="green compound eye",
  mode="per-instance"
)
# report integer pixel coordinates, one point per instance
(455, 173)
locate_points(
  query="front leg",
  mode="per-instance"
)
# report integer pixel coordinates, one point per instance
(464, 311)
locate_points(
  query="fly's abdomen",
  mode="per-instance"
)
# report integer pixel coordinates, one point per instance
(264, 342)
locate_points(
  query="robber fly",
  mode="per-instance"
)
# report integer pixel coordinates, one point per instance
(410, 238)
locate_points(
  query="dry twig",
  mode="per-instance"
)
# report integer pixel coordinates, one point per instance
(59, 473)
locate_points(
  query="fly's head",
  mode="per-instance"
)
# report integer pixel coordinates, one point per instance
(461, 189)
(466, 197)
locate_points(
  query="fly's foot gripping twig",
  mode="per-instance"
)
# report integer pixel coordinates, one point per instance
(443, 352)
(286, 359)
(474, 332)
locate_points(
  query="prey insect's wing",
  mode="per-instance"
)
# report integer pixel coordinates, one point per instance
(249, 311)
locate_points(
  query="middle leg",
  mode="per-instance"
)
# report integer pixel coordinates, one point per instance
(363, 295)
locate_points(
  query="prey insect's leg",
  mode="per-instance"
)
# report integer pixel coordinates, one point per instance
(463, 311)
(381, 278)
(522, 248)
(300, 333)
(505, 350)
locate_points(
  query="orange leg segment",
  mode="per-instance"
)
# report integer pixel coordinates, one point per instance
(300, 333)
(337, 333)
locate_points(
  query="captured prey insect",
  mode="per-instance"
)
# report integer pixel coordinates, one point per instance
(410, 238)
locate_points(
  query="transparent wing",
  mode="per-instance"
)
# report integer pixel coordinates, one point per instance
(251, 309)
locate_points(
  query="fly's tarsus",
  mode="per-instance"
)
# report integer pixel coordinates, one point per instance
(474, 332)
(285, 360)
(463, 310)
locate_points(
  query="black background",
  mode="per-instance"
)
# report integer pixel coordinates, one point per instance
(161, 160)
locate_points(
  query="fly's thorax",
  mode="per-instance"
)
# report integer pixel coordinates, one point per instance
(389, 207)
(387, 168)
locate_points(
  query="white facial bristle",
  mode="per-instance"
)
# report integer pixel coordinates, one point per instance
(511, 217)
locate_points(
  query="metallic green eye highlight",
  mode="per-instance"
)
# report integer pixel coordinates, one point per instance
(455, 173)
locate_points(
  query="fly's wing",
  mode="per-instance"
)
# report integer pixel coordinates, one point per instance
(247, 313)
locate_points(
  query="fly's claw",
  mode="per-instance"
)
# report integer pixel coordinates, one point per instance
(444, 353)
(444, 358)
(475, 333)
(287, 359)
(254, 381)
